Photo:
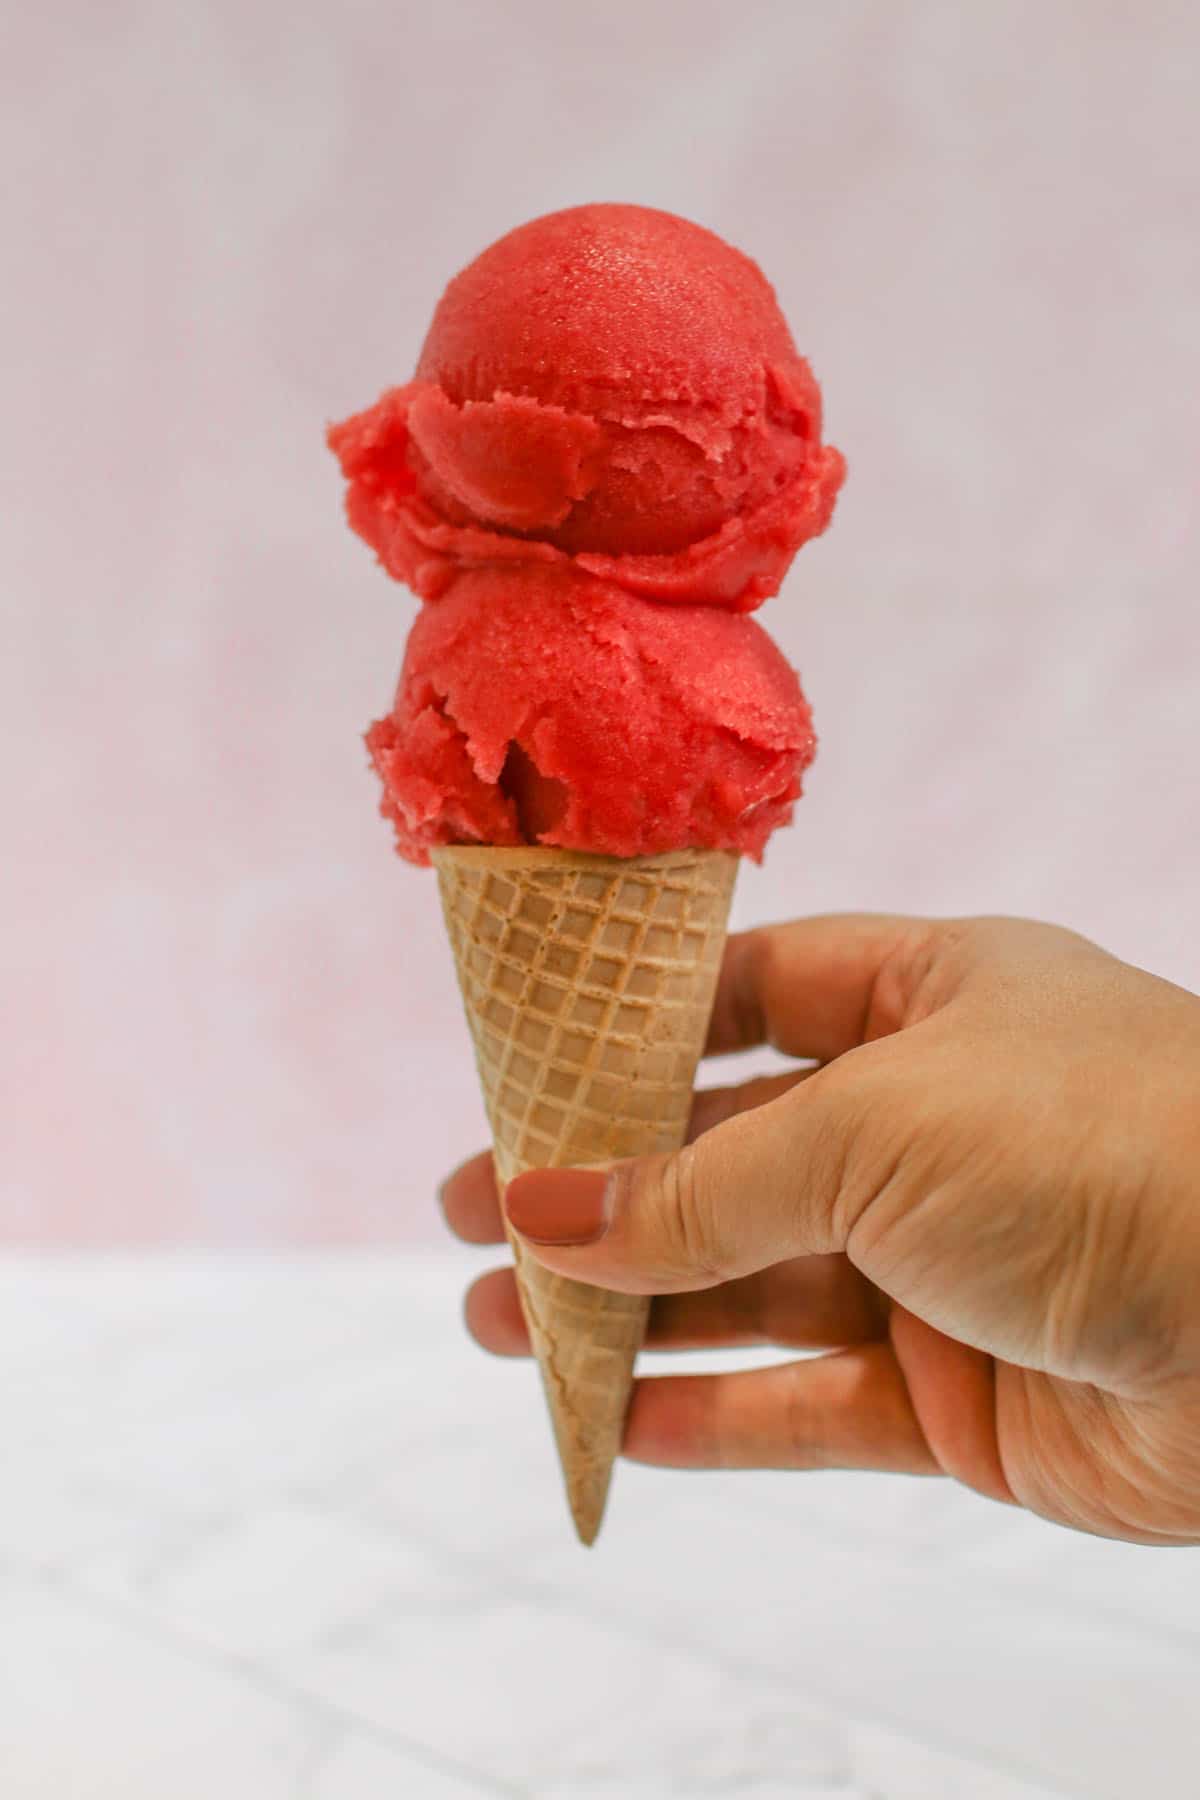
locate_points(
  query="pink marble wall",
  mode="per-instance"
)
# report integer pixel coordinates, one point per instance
(228, 1013)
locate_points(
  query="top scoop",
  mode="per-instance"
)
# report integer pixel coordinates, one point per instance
(608, 389)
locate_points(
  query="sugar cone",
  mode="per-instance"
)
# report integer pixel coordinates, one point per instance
(588, 982)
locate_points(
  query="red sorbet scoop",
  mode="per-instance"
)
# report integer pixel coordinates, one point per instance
(610, 390)
(608, 415)
(545, 711)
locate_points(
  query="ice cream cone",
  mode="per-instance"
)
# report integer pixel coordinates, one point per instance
(588, 982)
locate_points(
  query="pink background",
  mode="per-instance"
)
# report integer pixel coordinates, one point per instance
(228, 1012)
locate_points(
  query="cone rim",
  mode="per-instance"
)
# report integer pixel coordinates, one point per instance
(542, 856)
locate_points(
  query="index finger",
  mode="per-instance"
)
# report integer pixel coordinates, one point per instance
(818, 987)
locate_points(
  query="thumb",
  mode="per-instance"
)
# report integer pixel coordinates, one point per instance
(764, 1186)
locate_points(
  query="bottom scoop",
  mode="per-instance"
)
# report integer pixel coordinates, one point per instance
(547, 708)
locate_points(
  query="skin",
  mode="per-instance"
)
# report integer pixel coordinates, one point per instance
(982, 1202)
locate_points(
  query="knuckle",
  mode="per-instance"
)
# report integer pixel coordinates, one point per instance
(917, 977)
(687, 1219)
(864, 1134)
(767, 971)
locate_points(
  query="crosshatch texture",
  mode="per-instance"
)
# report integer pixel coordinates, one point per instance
(588, 983)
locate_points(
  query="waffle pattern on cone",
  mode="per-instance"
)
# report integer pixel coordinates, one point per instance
(588, 984)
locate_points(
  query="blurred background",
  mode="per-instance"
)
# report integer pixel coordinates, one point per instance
(229, 1016)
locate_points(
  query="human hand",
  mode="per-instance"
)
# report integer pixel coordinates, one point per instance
(984, 1202)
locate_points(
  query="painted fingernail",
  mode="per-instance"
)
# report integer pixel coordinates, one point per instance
(559, 1206)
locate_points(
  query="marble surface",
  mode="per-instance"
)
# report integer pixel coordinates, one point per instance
(273, 1529)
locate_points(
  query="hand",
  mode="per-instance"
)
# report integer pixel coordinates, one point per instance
(984, 1201)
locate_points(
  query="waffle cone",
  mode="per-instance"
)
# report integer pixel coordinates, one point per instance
(588, 982)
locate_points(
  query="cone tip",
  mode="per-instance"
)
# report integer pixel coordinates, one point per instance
(587, 1524)
(587, 1500)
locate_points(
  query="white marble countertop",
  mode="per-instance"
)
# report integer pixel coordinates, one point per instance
(273, 1530)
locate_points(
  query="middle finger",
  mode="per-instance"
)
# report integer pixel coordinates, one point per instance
(814, 1303)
